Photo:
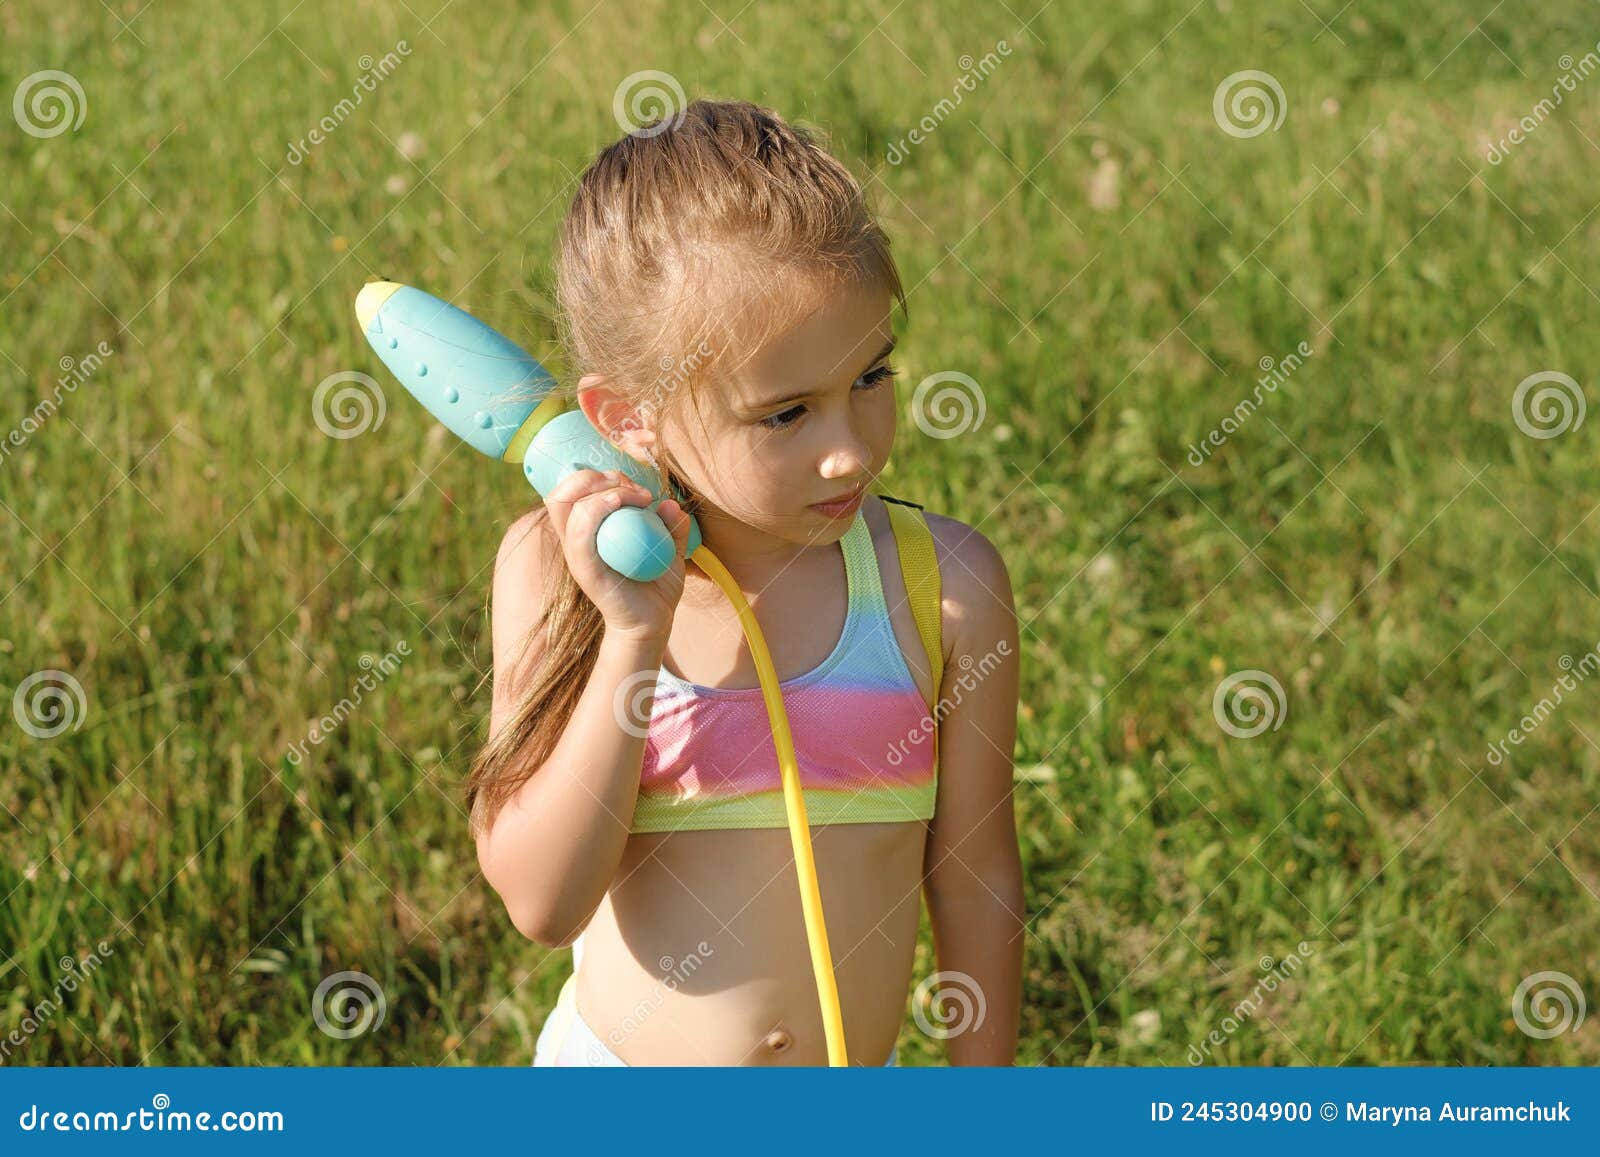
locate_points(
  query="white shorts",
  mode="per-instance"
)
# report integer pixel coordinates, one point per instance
(567, 1041)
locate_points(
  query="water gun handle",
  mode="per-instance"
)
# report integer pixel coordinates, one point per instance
(632, 540)
(502, 403)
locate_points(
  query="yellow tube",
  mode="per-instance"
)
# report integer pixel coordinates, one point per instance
(794, 801)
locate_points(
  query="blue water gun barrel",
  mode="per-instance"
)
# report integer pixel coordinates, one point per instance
(498, 399)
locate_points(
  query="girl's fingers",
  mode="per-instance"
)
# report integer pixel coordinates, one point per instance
(581, 517)
(580, 482)
(574, 486)
(581, 485)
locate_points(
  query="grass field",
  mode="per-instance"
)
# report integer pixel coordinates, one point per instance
(1378, 533)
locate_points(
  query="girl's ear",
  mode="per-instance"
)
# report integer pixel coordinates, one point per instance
(629, 427)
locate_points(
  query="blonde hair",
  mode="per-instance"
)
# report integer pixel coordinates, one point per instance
(671, 229)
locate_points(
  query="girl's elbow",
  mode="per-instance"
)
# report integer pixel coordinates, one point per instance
(539, 906)
(536, 916)
(528, 913)
(536, 927)
(545, 929)
(532, 917)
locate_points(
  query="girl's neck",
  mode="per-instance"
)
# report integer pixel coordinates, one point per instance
(754, 558)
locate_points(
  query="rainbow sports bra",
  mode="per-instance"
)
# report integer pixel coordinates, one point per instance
(864, 736)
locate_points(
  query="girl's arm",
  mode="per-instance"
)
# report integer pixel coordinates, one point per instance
(972, 870)
(552, 851)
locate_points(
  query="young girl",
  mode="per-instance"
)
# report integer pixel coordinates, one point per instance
(726, 296)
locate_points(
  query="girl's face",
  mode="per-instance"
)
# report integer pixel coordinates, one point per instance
(810, 417)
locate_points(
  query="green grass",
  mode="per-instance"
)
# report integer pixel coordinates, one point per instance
(1084, 241)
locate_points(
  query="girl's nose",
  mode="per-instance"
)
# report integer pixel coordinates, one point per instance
(847, 456)
(845, 461)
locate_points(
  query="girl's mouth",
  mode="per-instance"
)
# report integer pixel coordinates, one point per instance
(840, 507)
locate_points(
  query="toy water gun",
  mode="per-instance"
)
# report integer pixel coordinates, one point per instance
(502, 402)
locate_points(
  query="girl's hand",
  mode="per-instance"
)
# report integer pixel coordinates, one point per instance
(636, 609)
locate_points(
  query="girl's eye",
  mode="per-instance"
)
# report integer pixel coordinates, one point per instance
(870, 380)
(876, 377)
(785, 418)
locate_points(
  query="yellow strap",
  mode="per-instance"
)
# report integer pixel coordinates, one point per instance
(920, 569)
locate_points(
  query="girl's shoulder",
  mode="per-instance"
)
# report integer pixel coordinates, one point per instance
(976, 603)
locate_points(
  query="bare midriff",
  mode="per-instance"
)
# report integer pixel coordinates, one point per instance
(698, 954)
